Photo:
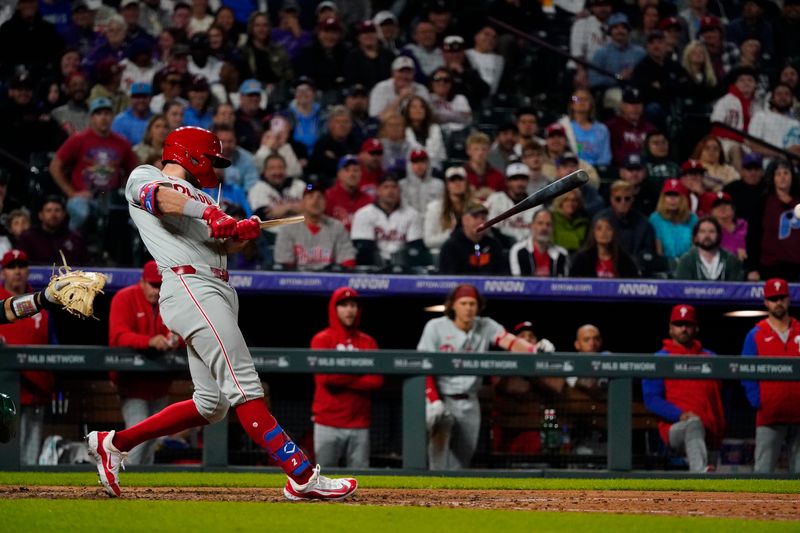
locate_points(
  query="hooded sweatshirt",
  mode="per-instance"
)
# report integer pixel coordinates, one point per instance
(343, 400)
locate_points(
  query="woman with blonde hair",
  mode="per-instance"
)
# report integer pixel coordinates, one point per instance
(696, 61)
(569, 223)
(442, 215)
(153, 139)
(673, 220)
(718, 173)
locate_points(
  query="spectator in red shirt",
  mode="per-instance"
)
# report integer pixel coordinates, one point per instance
(345, 198)
(371, 160)
(97, 160)
(43, 242)
(481, 175)
(342, 402)
(37, 385)
(628, 128)
(134, 321)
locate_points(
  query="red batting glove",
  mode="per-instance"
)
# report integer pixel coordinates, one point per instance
(220, 224)
(248, 229)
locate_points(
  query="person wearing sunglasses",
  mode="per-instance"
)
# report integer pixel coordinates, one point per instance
(135, 322)
(634, 233)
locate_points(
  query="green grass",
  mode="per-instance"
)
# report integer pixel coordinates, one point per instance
(209, 479)
(133, 516)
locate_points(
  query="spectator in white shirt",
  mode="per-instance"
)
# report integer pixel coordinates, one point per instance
(422, 131)
(387, 95)
(483, 58)
(420, 187)
(424, 49)
(276, 195)
(777, 125)
(515, 228)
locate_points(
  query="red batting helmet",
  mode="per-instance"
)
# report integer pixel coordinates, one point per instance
(198, 151)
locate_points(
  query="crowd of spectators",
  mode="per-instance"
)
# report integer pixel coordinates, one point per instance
(398, 132)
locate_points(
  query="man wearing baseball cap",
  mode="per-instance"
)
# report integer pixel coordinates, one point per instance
(469, 252)
(747, 192)
(517, 227)
(134, 321)
(618, 56)
(132, 122)
(589, 34)
(93, 161)
(368, 62)
(419, 188)
(690, 410)
(387, 95)
(465, 79)
(345, 197)
(324, 58)
(776, 402)
(424, 49)
(628, 128)
(371, 159)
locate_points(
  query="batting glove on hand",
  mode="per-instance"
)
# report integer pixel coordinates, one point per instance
(544, 346)
(220, 224)
(248, 229)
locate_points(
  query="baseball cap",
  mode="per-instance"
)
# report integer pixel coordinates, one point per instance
(617, 19)
(709, 23)
(455, 173)
(388, 176)
(356, 89)
(674, 186)
(475, 208)
(289, 5)
(508, 126)
(329, 24)
(772, 287)
(654, 35)
(522, 326)
(15, 256)
(150, 272)
(198, 41)
(567, 157)
(372, 145)
(366, 26)
(555, 129)
(108, 67)
(101, 102)
(418, 155)
(251, 86)
(346, 161)
(709, 200)
(453, 43)
(80, 5)
(141, 88)
(326, 4)
(199, 83)
(21, 81)
(304, 80)
(752, 160)
(632, 95)
(683, 313)
(517, 169)
(632, 161)
(401, 62)
(692, 166)
(382, 17)
(669, 23)
(312, 188)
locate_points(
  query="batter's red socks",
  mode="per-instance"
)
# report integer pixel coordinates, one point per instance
(265, 431)
(172, 419)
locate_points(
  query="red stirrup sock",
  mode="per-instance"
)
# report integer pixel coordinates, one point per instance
(262, 427)
(171, 419)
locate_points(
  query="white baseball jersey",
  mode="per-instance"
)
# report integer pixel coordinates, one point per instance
(264, 194)
(442, 335)
(517, 227)
(776, 128)
(173, 240)
(389, 231)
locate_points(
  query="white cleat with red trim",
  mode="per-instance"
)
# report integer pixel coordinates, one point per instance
(108, 458)
(320, 488)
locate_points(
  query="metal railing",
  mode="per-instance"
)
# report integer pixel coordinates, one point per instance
(620, 369)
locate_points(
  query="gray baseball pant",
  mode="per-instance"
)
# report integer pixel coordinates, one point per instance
(769, 440)
(332, 444)
(453, 441)
(134, 410)
(31, 421)
(690, 435)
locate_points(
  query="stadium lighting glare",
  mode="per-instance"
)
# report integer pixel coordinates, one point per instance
(435, 309)
(746, 313)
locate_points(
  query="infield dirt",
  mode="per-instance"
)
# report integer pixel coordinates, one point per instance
(759, 506)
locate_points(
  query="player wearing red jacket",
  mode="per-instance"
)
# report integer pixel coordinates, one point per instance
(342, 402)
(37, 385)
(690, 409)
(777, 403)
(135, 322)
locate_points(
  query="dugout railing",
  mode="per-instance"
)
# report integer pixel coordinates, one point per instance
(413, 366)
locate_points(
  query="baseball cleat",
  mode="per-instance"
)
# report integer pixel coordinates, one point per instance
(320, 488)
(108, 458)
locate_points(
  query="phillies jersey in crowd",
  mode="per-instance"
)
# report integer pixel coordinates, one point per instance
(343, 400)
(777, 402)
(668, 398)
(98, 163)
(517, 227)
(390, 231)
(442, 335)
(311, 247)
(36, 384)
(264, 195)
(342, 205)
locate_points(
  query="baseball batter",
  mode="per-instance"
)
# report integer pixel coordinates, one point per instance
(190, 237)
(453, 413)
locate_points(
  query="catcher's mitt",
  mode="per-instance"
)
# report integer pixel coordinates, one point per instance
(75, 289)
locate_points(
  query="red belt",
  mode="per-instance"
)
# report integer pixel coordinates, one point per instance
(189, 269)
